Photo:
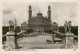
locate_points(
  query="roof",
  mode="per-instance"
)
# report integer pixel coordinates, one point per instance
(57, 38)
(39, 16)
(54, 23)
(39, 13)
(24, 24)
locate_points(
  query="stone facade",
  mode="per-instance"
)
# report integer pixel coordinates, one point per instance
(10, 40)
(55, 26)
(39, 22)
(24, 26)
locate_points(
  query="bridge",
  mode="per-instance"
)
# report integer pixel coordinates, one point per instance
(38, 41)
(62, 34)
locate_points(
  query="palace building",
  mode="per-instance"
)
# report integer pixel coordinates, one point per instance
(39, 23)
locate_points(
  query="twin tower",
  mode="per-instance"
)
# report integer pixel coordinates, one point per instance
(48, 12)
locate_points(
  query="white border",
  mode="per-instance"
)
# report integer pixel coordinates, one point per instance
(42, 51)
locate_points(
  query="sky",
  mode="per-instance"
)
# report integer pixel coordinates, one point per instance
(60, 12)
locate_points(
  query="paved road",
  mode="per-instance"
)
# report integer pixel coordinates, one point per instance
(37, 42)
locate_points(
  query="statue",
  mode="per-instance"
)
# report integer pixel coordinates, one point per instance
(67, 26)
(15, 24)
(11, 26)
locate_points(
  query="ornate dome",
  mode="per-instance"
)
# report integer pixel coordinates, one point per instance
(54, 23)
(39, 14)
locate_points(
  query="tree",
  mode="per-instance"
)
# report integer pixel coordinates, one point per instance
(48, 31)
(17, 29)
(74, 30)
(4, 31)
(29, 31)
(62, 29)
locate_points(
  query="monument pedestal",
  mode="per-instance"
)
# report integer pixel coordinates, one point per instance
(10, 40)
(69, 40)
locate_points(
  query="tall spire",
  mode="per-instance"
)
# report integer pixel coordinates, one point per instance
(29, 6)
(49, 12)
(30, 12)
(49, 7)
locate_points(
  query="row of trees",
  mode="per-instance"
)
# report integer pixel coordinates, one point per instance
(29, 31)
(74, 30)
(17, 29)
(6, 29)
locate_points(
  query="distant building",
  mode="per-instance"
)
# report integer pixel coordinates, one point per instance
(39, 22)
(24, 26)
(55, 26)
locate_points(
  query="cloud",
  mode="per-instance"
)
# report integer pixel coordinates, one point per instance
(7, 12)
(59, 11)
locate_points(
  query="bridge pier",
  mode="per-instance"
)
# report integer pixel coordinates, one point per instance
(69, 40)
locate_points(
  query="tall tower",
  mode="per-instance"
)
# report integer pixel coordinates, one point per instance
(49, 12)
(30, 12)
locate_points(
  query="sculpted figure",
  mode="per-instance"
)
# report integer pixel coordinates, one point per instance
(67, 26)
(11, 25)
